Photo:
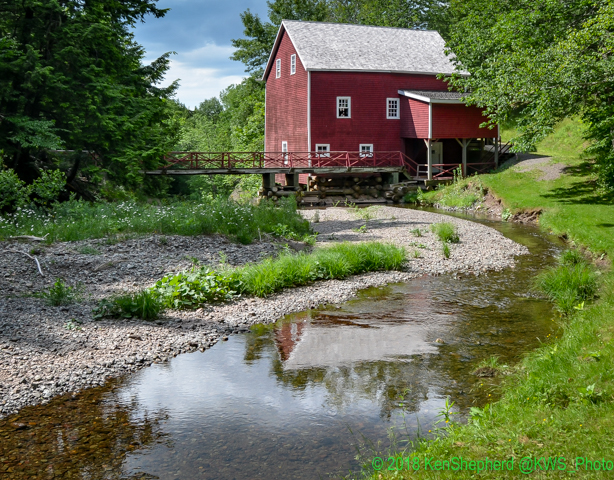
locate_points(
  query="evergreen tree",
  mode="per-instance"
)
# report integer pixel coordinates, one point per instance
(72, 78)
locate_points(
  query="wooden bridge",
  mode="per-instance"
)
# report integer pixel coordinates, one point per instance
(317, 163)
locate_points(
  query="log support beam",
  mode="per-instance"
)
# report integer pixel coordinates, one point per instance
(292, 179)
(268, 180)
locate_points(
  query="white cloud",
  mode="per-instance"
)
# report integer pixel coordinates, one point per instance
(203, 73)
(198, 84)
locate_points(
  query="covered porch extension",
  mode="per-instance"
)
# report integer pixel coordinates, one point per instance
(442, 135)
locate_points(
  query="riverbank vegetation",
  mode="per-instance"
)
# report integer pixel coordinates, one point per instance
(80, 220)
(559, 399)
(202, 285)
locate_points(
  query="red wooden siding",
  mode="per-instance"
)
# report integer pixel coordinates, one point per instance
(286, 103)
(459, 121)
(414, 118)
(368, 122)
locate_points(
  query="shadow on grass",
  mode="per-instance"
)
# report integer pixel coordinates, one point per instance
(582, 192)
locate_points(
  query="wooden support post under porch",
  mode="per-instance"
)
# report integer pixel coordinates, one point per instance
(429, 159)
(463, 143)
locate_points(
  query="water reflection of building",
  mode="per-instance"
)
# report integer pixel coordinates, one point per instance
(305, 344)
(287, 336)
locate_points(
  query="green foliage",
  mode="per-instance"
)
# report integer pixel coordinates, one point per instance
(72, 77)
(254, 50)
(445, 249)
(11, 189)
(43, 191)
(144, 304)
(367, 213)
(283, 231)
(196, 286)
(462, 194)
(337, 261)
(61, 294)
(446, 232)
(537, 66)
(79, 220)
(571, 282)
(73, 324)
(416, 232)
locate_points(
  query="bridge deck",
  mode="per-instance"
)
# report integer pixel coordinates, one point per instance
(318, 163)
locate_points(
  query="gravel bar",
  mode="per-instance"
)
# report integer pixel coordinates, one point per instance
(41, 355)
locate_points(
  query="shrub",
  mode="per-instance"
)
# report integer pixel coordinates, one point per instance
(446, 232)
(445, 250)
(144, 304)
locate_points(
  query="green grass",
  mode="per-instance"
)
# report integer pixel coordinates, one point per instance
(566, 141)
(198, 286)
(569, 284)
(446, 232)
(463, 193)
(559, 400)
(338, 261)
(60, 294)
(80, 220)
(145, 304)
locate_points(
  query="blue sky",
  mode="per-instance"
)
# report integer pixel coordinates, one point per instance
(200, 32)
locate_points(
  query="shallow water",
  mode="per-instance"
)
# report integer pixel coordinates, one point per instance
(294, 400)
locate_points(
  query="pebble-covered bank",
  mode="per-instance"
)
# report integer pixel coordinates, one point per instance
(42, 354)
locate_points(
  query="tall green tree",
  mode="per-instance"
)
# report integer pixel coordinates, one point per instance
(254, 50)
(418, 14)
(72, 77)
(537, 63)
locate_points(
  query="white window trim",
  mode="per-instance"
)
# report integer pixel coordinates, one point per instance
(284, 151)
(293, 64)
(349, 99)
(370, 145)
(388, 109)
(278, 68)
(323, 153)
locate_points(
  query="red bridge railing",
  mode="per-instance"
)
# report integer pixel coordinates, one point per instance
(283, 160)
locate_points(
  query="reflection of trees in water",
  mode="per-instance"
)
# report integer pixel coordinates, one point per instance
(85, 437)
(388, 384)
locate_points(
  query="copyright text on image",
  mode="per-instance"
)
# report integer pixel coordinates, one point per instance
(524, 465)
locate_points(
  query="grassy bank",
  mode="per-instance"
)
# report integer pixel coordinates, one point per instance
(201, 285)
(559, 400)
(79, 220)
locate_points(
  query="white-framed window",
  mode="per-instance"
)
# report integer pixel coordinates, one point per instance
(344, 107)
(278, 68)
(366, 149)
(323, 149)
(392, 108)
(284, 151)
(292, 64)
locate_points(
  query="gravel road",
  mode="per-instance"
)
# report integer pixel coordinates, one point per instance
(42, 356)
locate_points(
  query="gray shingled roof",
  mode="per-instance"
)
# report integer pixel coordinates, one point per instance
(336, 46)
(434, 96)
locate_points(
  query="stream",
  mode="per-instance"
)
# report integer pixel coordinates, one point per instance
(297, 399)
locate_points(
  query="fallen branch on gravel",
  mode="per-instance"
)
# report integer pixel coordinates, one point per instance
(29, 237)
(38, 265)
